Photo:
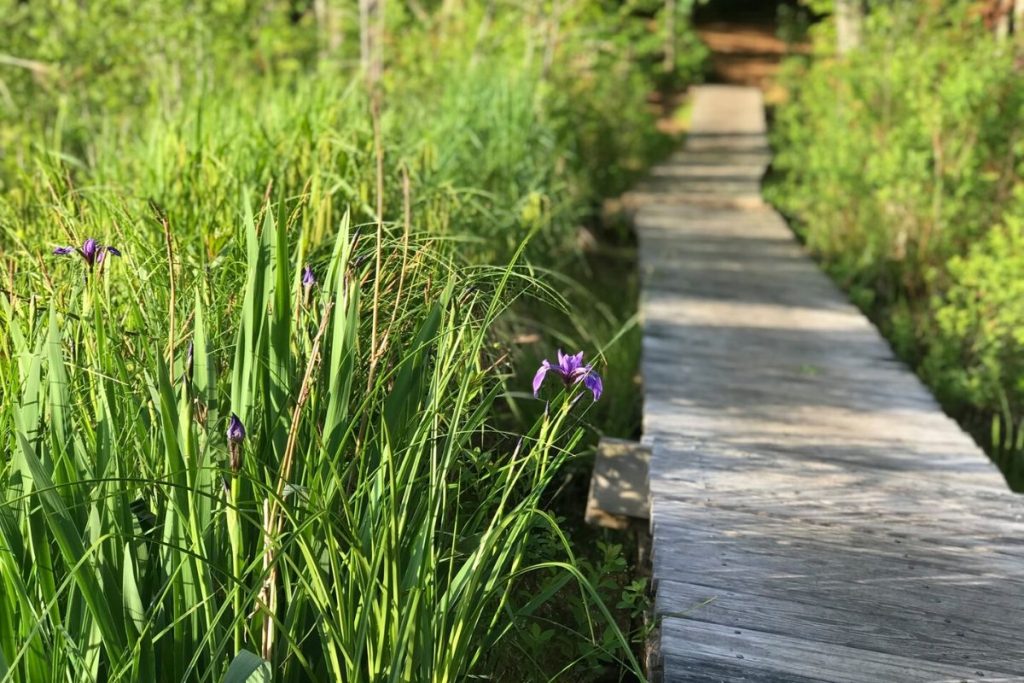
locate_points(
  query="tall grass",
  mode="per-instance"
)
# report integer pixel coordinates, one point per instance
(373, 528)
(384, 511)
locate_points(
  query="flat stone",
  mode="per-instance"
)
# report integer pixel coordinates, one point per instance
(618, 485)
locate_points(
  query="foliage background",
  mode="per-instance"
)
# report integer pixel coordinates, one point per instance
(901, 163)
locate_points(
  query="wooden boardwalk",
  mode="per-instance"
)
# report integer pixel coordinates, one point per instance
(815, 515)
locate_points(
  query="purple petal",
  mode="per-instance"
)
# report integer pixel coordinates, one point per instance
(236, 430)
(102, 252)
(308, 279)
(592, 381)
(538, 379)
(89, 250)
(63, 251)
(577, 374)
(565, 364)
(569, 364)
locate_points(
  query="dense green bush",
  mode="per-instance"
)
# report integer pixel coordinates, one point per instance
(976, 356)
(898, 161)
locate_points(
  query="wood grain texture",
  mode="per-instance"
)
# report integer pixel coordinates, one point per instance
(815, 515)
(618, 484)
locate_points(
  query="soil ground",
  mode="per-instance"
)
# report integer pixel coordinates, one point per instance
(745, 43)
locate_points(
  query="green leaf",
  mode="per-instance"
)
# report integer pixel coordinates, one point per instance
(132, 600)
(205, 371)
(96, 588)
(248, 668)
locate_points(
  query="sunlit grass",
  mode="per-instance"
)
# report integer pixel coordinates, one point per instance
(392, 495)
(373, 527)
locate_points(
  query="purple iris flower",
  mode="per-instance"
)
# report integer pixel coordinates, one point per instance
(308, 279)
(572, 371)
(92, 251)
(236, 430)
(236, 434)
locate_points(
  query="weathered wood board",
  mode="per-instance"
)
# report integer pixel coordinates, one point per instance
(815, 515)
(618, 485)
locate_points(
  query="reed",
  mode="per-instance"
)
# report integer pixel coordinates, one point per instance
(275, 436)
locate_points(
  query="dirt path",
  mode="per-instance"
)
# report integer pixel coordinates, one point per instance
(745, 49)
(743, 54)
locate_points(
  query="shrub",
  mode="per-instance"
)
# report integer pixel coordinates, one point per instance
(977, 356)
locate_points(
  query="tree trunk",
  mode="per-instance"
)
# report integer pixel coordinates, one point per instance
(371, 33)
(1002, 21)
(849, 14)
(364, 34)
(669, 59)
(328, 21)
(552, 37)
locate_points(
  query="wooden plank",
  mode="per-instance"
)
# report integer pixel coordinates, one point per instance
(987, 544)
(771, 657)
(618, 484)
(992, 526)
(814, 560)
(964, 613)
(905, 632)
(801, 478)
